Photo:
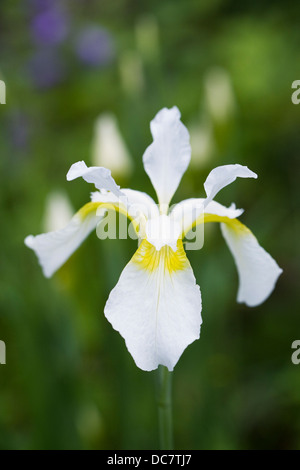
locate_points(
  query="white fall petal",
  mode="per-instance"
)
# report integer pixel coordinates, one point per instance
(54, 248)
(156, 306)
(257, 270)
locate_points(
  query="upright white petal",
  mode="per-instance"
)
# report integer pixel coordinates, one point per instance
(140, 201)
(257, 270)
(99, 176)
(167, 158)
(109, 148)
(156, 306)
(219, 94)
(58, 211)
(54, 248)
(221, 176)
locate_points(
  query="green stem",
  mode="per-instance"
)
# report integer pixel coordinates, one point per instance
(164, 404)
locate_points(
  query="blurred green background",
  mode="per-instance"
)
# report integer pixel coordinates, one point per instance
(69, 382)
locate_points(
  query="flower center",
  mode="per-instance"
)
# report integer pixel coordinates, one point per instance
(163, 230)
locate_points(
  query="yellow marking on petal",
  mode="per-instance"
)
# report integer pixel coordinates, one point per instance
(148, 258)
(235, 224)
(90, 207)
(87, 209)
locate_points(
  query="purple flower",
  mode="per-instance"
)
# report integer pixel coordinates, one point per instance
(46, 69)
(50, 26)
(94, 46)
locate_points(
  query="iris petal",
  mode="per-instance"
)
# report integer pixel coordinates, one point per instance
(168, 157)
(156, 306)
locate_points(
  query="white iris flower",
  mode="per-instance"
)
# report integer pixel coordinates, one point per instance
(156, 304)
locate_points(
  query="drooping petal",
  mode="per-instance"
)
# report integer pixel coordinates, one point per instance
(156, 306)
(167, 158)
(54, 248)
(221, 176)
(257, 270)
(99, 176)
